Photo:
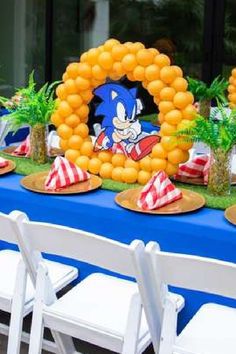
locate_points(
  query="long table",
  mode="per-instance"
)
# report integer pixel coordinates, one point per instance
(204, 232)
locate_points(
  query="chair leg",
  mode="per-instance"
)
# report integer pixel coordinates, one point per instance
(168, 333)
(43, 294)
(15, 329)
(133, 326)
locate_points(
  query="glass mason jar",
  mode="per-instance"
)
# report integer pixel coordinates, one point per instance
(219, 180)
(38, 146)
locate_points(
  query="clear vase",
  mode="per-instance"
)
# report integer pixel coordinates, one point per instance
(219, 180)
(38, 146)
(205, 108)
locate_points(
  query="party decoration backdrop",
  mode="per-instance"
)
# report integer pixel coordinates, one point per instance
(162, 80)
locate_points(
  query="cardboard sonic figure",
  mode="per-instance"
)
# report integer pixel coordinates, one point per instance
(120, 125)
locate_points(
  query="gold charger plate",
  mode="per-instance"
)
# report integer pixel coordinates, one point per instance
(198, 181)
(191, 201)
(53, 151)
(10, 167)
(35, 183)
(230, 214)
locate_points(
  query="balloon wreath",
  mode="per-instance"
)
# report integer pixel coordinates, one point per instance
(162, 80)
(232, 89)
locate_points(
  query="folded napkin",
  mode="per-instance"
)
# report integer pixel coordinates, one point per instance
(197, 167)
(3, 162)
(63, 173)
(23, 148)
(159, 191)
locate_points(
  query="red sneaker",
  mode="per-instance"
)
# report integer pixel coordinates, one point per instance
(98, 143)
(143, 147)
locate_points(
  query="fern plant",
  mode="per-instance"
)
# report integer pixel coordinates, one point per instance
(201, 91)
(218, 132)
(29, 106)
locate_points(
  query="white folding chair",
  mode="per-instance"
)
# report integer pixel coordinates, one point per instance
(102, 309)
(17, 290)
(212, 330)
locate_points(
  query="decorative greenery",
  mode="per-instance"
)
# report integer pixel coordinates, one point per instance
(30, 106)
(218, 132)
(201, 91)
(25, 166)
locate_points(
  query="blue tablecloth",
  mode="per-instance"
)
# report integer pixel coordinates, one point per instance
(204, 233)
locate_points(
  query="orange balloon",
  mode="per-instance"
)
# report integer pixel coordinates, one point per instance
(110, 43)
(129, 62)
(117, 174)
(173, 117)
(152, 72)
(144, 57)
(64, 131)
(162, 60)
(92, 56)
(166, 106)
(82, 84)
(154, 87)
(72, 155)
(86, 95)
(64, 109)
(74, 101)
(181, 100)
(180, 84)
(167, 74)
(158, 151)
(82, 130)
(75, 142)
(56, 119)
(167, 94)
(118, 160)
(119, 51)
(82, 162)
(94, 165)
(73, 70)
(61, 91)
(84, 70)
(72, 120)
(105, 60)
(82, 112)
(70, 86)
(139, 73)
(106, 170)
(129, 175)
(144, 177)
(98, 72)
(86, 148)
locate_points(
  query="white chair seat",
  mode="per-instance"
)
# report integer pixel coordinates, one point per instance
(60, 274)
(100, 302)
(211, 331)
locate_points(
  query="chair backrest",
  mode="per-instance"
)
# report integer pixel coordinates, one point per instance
(183, 271)
(7, 233)
(37, 237)
(193, 272)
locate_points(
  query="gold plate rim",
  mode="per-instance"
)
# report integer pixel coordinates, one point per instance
(161, 211)
(198, 181)
(9, 168)
(26, 182)
(228, 216)
(10, 149)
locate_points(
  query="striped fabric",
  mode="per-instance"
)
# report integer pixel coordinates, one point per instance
(118, 148)
(197, 167)
(158, 192)
(63, 174)
(23, 148)
(3, 162)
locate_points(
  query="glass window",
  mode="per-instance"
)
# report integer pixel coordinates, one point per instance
(22, 38)
(229, 57)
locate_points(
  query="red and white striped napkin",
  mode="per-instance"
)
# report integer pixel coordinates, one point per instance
(198, 167)
(194, 168)
(3, 162)
(23, 148)
(158, 192)
(63, 174)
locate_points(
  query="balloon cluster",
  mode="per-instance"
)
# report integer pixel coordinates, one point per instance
(232, 89)
(162, 80)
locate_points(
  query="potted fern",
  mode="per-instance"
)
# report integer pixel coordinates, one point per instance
(33, 108)
(219, 133)
(204, 94)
